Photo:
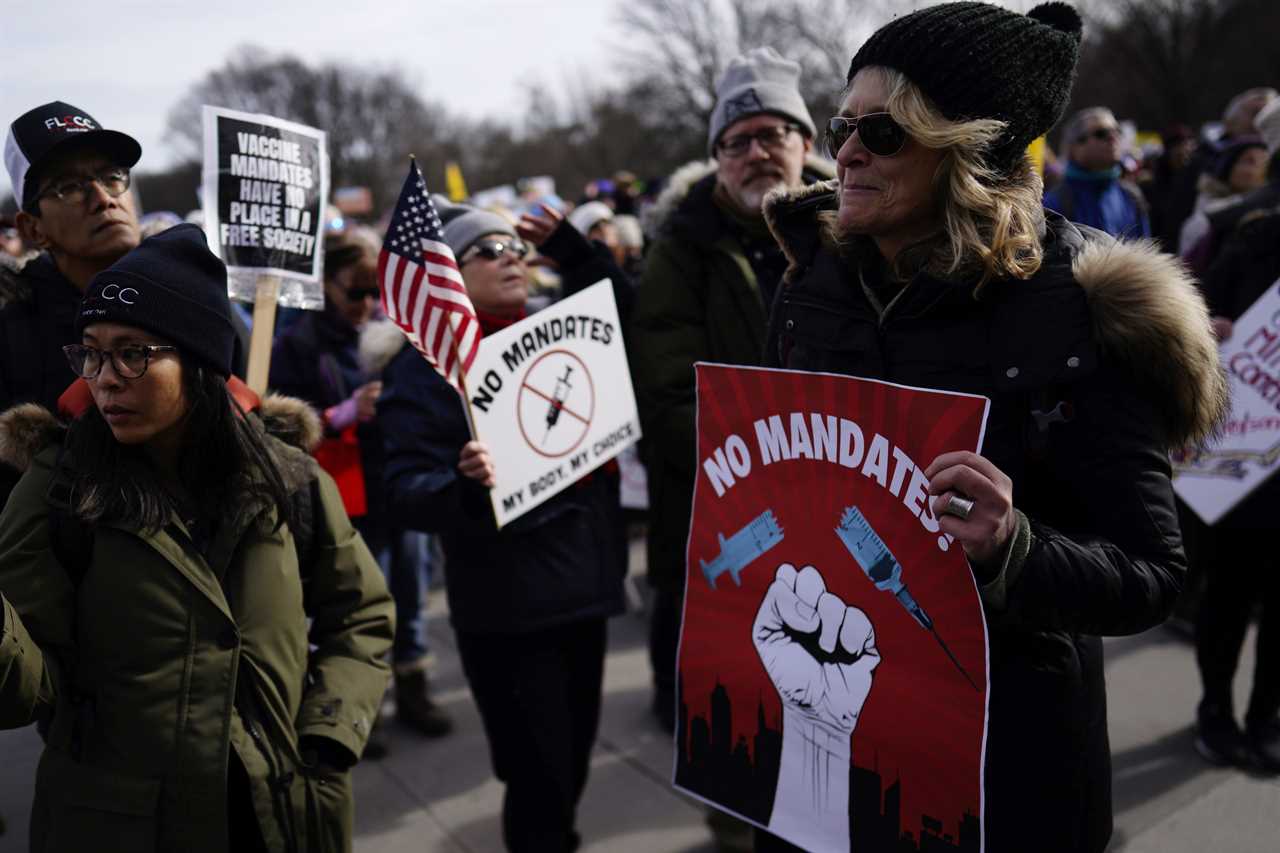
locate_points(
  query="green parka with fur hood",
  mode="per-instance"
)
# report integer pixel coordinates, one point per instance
(140, 662)
(699, 300)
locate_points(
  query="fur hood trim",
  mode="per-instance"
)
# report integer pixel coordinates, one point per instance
(1148, 314)
(29, 428)
(675, 192)
(25, 430)
(291, 420)
(12, 287)
(380, 341)
(777, 204)
(683, 179)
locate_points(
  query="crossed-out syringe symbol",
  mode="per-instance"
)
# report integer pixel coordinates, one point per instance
(558, 396)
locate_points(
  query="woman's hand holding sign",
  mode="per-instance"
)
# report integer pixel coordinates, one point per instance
(476, 463)
(973, 500)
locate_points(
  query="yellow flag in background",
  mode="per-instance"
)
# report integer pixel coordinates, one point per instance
(454, 185)
(1036, 150)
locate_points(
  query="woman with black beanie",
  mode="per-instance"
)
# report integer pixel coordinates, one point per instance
(187, 611)
(930, 262)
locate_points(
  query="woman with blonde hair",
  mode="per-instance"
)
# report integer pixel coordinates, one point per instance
(930, 262)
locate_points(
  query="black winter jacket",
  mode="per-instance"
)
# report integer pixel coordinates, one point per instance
(563, 561)
(37, 319)
(38, 309)
(1082, 363)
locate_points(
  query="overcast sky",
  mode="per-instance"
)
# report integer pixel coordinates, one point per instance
(127, 62)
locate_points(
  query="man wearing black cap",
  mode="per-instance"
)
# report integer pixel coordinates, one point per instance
(71, 179)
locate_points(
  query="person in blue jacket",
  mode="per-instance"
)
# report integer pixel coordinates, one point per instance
(529, 603)
(1094, 191)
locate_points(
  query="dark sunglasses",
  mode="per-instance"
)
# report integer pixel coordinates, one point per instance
(491, 250)
(359, 294)
(878, 132)
(1102, 134)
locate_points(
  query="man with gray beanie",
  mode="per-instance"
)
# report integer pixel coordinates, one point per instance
(708, 281)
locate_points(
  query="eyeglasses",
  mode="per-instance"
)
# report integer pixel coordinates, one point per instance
(770, 139)
(359, 294)
(74, 190)
(878, 132)
(1102, 134)
(130, 362)
(491, 250)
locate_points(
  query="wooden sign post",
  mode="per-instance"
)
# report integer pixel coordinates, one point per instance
(264, 323)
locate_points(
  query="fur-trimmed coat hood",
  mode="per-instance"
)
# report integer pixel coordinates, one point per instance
(1146, 311)
(683, 180)
(12, 287)
(29, 428)
(380, 341)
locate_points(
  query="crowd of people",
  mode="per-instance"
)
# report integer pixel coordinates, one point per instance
(207, 595)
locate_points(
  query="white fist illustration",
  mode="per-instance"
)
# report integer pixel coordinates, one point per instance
(819, 652)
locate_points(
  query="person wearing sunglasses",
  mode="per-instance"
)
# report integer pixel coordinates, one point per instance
(931, 262)
(529, 603)
(318, 360)
(186, 609)
(709, 278)
(1094, 190)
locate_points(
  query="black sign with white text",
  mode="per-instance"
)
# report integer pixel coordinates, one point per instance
(265, 187)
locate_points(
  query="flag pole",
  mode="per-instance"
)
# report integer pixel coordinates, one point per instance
(462, 373)
(466, 399)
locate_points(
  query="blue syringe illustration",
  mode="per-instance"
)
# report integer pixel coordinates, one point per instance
(558, 396)
(760, 534)
(884, 570)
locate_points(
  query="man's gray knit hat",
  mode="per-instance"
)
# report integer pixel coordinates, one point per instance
(759, 81)
(464, 224)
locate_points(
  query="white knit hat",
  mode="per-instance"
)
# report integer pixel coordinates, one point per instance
(759, 81)
(584, 217)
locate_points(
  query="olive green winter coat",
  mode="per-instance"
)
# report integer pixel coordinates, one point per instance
(139, 667)
(698, 301)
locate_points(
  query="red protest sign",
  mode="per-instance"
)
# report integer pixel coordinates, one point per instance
(832, 668)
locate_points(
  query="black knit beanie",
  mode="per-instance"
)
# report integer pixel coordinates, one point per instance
(171, 285)
(977, 61)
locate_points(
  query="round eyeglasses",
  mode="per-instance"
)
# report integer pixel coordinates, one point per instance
(129, 362)
(74, 190)
(770, 139)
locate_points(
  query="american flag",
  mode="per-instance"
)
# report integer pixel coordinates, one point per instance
(422, 289)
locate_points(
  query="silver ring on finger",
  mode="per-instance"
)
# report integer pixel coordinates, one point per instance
(959, 507)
